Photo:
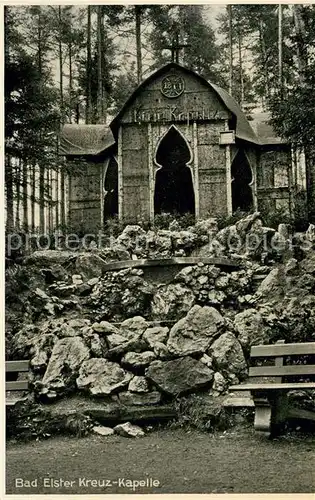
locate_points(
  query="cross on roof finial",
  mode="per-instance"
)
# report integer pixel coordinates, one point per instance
(176, 47)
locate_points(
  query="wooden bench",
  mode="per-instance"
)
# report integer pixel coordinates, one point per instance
(17, 386)
(269, 385)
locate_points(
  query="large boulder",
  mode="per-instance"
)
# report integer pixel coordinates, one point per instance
(308, 264)
(138, 360)
(133, 327)
(40, 351)
(24, 339)
(172, 301)
(105, 328)
(138, 384)
(194, 333)
(220, 384)
(155, 334)
(136, 344)
(250, 328)
(179, 376)
(72, 328)
(228, 357)
(184, 239)
(248, 223)
(67, 356)
(136, 399)
(159, 244)
(114, 252)
(273, 286)
(48, 258)
(90, 265)
(115, 340)
(103, 431)
(161, 351)
(102, 377)
(129, 430)
(133, 239)
(120, 295)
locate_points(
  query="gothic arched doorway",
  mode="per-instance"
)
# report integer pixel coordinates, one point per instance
(111, 190)
(174, 192)
(241, 173)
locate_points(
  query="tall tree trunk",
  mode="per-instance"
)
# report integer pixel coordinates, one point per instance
(8, 159)
(99, 65)
(229, 11)
(88, 115)
(70, 82)
(41, 166)
(60, 65)
(41, 199)
(302, 62)
(9, 192)
(265, 62)
(6, 38)
(280, 48)
(49, 201)
(18, 194)
(138, 10)
(57, 198)
(62, 120)
(300, 37)
(240, 61)
(25, 180)
(33, 196)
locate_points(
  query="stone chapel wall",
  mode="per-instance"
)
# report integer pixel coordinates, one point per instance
(85, 202)
(274, 181)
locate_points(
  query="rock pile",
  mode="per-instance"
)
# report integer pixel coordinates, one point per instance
(114, 336)
(134, 361)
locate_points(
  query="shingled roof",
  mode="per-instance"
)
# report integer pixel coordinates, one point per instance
(85, 139)
(243, 128)
(94, 139)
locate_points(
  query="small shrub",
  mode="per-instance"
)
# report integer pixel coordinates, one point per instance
(273, 218)
(230, 220)
(27, 421)
(17, 281)
(202, 412)
(163, 221)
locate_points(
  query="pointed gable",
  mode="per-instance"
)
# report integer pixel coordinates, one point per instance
(197, 99)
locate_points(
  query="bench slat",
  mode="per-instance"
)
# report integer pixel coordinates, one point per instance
(11, 402)
(260, 371)
(276, 386)
(19, 385)
(282, 350)
(17, 366)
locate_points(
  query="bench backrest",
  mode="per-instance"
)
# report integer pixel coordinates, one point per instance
(279, 351)
(16, 366)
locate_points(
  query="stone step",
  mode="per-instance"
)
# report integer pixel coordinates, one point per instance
(240, 399)
(133, 414)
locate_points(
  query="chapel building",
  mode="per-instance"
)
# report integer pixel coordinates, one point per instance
(180, 144)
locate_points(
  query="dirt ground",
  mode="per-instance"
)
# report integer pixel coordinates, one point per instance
(167, 461)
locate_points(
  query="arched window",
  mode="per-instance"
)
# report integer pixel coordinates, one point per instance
(174, 192)
(111, 190)
(241, 173)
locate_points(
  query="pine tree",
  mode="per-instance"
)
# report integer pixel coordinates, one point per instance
(187, 21)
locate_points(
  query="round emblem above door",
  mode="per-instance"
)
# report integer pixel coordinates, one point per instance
(172, 86)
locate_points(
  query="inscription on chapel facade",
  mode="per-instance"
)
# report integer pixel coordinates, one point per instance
(174, 114)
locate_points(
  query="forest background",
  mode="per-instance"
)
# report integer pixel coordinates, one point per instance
(78, 64)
